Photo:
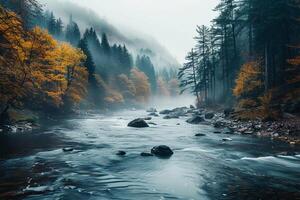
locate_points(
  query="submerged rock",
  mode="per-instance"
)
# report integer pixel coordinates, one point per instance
(165, 112)
(162, 151)
(144, 154)
(68, 149)
(147, 118)
(226, 139)
(200, 135)
(195, 120)
(121, 153)
(138, 123)
(171, 116)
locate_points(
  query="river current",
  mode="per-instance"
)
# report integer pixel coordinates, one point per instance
(34, 166)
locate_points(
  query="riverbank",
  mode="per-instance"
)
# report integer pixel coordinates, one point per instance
(286, 129)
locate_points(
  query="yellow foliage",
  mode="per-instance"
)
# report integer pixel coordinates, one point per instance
(248, 79)
(142, 85)
(33, 63)
(246, 103)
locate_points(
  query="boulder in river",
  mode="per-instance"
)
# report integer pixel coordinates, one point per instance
(171, 116)
(162, 151)
(147, 118)
(153, 114)
(138, 123)
(226, 139)
(195, 120)
(165, 112)
(200, 135)
(144, 154)
(67, 149)
(121, 153)
(209, 115)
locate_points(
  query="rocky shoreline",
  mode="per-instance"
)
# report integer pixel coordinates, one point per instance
(286, 129)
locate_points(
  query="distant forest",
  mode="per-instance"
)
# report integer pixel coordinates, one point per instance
(60, 68)
(248, 58)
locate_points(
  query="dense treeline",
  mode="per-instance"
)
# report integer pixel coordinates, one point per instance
(57, 68)
(249, 56)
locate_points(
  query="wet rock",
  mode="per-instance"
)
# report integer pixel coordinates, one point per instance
(228, 112)
(152, 110)
(147, 118)
(145, 154)
(138, 123)
(178, 124)
(200, 135)
(68, 149)
(162, 151)
(195, 120)
(121, 153)
(226, 139)
(165, 112)
(217, 132)
(152, 123)
(153, 114)
(209, 115)
(171, 116)
(192, 107)
(219, 124)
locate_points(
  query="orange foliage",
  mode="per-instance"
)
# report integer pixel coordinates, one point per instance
(142, 85)
(32, 64)
(248, 79)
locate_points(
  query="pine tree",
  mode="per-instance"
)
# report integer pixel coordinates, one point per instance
(72, 32)
(188, 75)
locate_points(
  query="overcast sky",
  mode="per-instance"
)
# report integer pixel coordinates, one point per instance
(171, 22)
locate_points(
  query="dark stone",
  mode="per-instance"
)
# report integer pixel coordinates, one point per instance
(144, 154)
(219, 124)
(226, 139)
(121, 153)
(68, 149)
(162, 151)
(228, 111)
(195, 120)
(209, 115)
(171, 116)
(147, 118)
(152, 123)
(165, 112)
(153, 114)
(200, 135)
(138, 123)
(217, 132)
(192, 107)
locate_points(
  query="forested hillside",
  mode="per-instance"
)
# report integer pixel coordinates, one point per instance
(248, 58)
(53, 67)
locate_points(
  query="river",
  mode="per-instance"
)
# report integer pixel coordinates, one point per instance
(34, 166)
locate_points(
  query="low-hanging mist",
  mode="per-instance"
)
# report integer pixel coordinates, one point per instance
(136, 42)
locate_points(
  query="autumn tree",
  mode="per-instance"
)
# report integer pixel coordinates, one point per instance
(142, 85)
(34, 66)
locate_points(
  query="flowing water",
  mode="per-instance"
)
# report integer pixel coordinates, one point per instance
(34, 166)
